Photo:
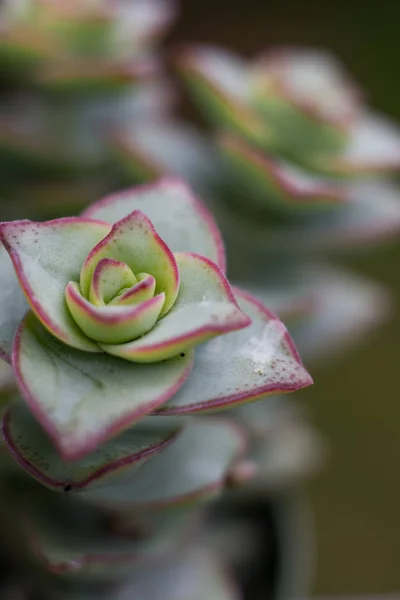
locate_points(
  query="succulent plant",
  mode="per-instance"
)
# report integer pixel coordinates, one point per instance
(71, 72)
(120, 325)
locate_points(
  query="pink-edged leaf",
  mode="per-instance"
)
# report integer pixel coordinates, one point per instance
(373, 147)
(219, 81)
(83, 399)
(193, 467)
(242, 366)
(178, 216)
(33, 451)
(275, 183)
(13, 305)
(46, 256)
(312, 80)
(113, 324)
(134, 241)
(205, 307)
(141, 291)
(72, 540)
(109, 277)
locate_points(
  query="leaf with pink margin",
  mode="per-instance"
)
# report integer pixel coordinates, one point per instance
(134, 241)
(83, 399)
(274, 183)
(179, 218)
(46, 256)
(192, 468)
(373, 147)
(33, 451)
(73, 540)
(13, 304)
(113, 324)
(205, 307)
(242, 366)
(220, 83)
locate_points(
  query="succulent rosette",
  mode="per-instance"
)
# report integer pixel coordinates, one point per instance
(117, 300)
(300, 145)
(82, 43)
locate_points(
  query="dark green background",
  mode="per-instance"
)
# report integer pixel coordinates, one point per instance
(355, 402)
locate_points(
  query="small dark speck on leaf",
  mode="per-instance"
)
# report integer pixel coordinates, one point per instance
(68, 487)
(182, 354)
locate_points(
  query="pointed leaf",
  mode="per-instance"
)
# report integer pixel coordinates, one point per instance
(373, 147)
(242, 366)
(277, 184)
(113, 324)
(83, 399)
(12, 303)
(178, 217)
(34, 452)
(46, 256)
(193, 467)
(73, 540)
(205, 307)
(134, 241)
(220, 83)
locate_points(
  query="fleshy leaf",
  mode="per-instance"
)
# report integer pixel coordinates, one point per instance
(134, 241)
(73, 540)
(220, 83)
(46, 256)
(205, 307)
(242, 366)
(373, 147)
(313, 81)
(113, 324)
(12, 302)
(143, 290)
(34, 452)
(275, 183)
(178, 217)
(83, 399)
(109, 278)
(194, 466)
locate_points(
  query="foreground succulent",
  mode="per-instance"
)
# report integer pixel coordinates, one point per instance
(102, 317)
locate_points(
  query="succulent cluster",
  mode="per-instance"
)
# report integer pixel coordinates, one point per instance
(100, 315)
(72, 73)
(122, 330)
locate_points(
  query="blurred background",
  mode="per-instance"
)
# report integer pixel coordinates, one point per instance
(354, 402)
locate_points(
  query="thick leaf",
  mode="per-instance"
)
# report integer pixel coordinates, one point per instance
(220, 83)
(372, 214)
(113, 324)
(373, 147)
(46, 256)
(312, 81)
(242, 366)
(34, 452)
(178, 217)
(83, 399)
(193, 467)
(13, 305)
(140, 22)
(273, 183)
(70, 539)
(134, 241)
(205, 307)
